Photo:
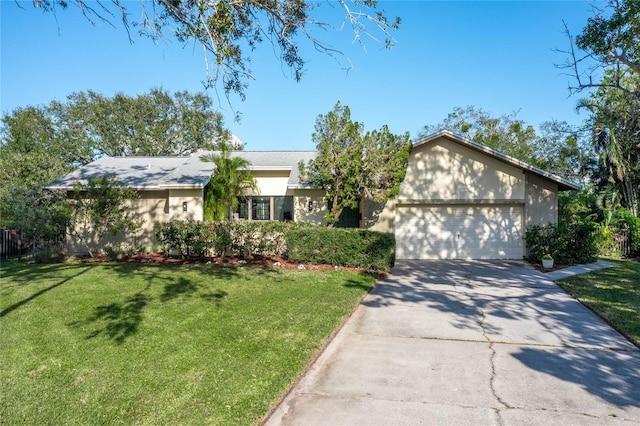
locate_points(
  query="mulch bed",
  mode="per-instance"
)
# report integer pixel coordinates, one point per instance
(266, 262)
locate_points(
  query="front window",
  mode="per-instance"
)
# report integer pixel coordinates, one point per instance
(265, 208)
(261, 208)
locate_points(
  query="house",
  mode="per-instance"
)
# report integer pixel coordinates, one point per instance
(459, 199)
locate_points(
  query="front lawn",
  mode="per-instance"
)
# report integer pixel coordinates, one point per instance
(125, 343)
(613, 293)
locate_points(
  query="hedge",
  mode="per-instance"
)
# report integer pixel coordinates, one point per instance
(295, 241)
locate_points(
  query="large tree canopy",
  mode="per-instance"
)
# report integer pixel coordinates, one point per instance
(605, 56)
(89, 125)
(228, 30)
(352, 164)
(41, 143)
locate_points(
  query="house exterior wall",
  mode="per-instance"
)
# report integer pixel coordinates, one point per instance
(150, 208)
(445, 170)
(301, 199)
(541, 204)
(195, 204)
(379, 217)
(271, 183)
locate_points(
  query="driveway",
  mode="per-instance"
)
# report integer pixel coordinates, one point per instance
(469, 342)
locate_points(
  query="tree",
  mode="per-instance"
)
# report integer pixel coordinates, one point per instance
(352, 164)
(153, 123)
(506, 133)
(615, 123)
(605, 57)
(99, 208)
(227, 29)
(565, 150)
(230, 180)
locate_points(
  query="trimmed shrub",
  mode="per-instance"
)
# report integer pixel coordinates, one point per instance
(342, 247)
(244, 239)
(296, 241)
(567, 244)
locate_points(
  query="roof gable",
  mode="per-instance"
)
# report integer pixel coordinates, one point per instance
(563, 184)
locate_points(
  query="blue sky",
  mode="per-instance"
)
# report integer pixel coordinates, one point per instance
(498, 56)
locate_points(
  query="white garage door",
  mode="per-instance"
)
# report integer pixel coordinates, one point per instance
(459, 232)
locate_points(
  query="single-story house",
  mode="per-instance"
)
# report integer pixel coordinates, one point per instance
(459, 199)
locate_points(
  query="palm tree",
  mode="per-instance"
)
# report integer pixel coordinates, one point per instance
(231, 180)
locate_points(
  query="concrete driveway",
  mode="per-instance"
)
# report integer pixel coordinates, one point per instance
(469, 342)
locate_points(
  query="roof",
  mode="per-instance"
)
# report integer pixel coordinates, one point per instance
(179, 172)
(563, 184)
(192, 172)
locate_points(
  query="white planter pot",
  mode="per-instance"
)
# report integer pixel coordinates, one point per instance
(547, 263)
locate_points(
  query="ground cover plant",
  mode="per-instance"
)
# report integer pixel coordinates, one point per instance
(140, 343)
(613, 293)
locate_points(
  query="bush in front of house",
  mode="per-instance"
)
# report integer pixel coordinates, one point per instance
(244, 239)
(295, 241)
(342, 247)
(567, 244)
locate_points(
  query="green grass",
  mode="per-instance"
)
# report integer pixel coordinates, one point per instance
(613, 293)
(160, 344)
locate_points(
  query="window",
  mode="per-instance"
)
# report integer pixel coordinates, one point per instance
(243, 208)
(265, 208)
(260, 208)
(283, 208)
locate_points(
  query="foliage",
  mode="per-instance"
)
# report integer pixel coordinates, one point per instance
(296, 241)
(29, 159)
(564, 150)
(342, 247)
(227, 29)
(613, 293)
(225, 238)
(506, 133)
(231, 179)
(39, 214)
(628, 221)
(615, 120)
(99, 208)
(133, 343)
(568, 245)
(352, 164)
(40, 144)
(605, 56)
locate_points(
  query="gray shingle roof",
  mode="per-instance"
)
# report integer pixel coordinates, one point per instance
(178, 172)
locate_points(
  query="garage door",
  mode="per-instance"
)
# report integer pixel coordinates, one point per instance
(459, 232)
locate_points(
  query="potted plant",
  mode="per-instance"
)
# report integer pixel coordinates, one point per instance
(547, 261)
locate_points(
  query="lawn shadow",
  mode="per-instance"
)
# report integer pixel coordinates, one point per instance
(121, 320)
(181, 287)
(39, 293)
(215, 297)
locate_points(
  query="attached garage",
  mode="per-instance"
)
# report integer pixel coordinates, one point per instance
(459, 232)
(463, 200)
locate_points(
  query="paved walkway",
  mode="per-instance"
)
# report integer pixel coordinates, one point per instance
(460, 342)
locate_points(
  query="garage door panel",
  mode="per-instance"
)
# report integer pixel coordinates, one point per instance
(459, 232)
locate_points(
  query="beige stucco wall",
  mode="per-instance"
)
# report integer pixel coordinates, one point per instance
(271, 183)
(194, 200)
(152, 207)
(379, 216)
(301, 198)
(541, 204)
(445, 170)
